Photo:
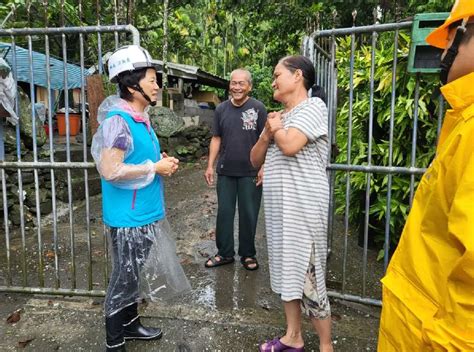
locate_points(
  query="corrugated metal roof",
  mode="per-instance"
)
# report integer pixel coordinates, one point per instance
(193, 73)
(188, 71)
(22, 68)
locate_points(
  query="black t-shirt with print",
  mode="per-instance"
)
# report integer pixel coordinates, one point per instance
(239, 129)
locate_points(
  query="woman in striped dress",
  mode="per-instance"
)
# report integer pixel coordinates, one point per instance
(294, 147)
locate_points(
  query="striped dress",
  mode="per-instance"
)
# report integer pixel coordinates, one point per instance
(296, 198)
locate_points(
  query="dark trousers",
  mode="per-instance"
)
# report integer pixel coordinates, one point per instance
(229, 191)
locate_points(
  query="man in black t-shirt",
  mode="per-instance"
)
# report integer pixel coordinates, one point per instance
(238, 123)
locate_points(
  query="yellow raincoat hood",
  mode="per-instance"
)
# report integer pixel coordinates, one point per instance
(428, 291)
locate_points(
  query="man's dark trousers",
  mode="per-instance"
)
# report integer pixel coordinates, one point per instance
(244, 191)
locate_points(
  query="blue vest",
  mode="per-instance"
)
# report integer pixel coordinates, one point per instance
(135, 207)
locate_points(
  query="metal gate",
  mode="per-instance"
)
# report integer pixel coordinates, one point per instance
(354, 269)
(52, 241)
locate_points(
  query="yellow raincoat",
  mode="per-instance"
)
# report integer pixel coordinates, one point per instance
(428, 291)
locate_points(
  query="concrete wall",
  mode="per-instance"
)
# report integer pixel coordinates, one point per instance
(191, 108)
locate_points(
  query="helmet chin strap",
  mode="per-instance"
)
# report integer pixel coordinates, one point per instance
(138, 88)
(452, 52)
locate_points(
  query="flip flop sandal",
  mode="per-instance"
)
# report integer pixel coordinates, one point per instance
(249, 263)
(276, 345)
(222, 261)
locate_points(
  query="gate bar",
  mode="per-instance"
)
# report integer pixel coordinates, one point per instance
(414, 136)
(52, 291)
(331, 101)
(5, 205)
(35, 159)
(349, 161)
(377, 169)
(74, 30)
(369, 161)
(46, 165)
(51, 158)
(357, 299)
(19, 174)
(390, 151)
(84, 152)
(72, 241)
(362, 30)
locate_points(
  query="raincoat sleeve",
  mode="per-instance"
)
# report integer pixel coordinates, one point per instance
(110, 146)
(454, 321)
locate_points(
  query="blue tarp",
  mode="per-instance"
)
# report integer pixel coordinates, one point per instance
(23, 72)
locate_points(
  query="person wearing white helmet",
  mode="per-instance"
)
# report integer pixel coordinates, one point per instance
(428, 290)
(128, 59)
(128, 157)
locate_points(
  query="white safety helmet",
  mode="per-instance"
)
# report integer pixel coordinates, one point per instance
(128, 58)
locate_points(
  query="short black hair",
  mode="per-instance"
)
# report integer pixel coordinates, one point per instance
(469, 30)
(469, 33)
(130, 79)
(300, 62)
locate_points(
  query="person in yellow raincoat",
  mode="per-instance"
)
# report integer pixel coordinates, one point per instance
(428, 290)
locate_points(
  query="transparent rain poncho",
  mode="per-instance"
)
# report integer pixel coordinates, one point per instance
(145, 264)
(112, 143)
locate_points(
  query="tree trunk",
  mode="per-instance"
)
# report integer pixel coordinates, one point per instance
(130, 12)
(95, 96)
(165, 99)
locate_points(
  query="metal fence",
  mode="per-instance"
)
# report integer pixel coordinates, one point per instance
(40, 253)
(355, 271)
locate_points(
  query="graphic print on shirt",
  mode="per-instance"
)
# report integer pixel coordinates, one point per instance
(249, 118)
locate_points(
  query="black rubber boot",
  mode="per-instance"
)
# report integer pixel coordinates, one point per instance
(115, 332)
(134, 330)
(120, 348)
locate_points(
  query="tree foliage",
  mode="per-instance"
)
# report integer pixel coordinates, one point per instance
(216, 35)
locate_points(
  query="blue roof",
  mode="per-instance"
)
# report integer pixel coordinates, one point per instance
(39, 68)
